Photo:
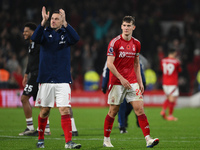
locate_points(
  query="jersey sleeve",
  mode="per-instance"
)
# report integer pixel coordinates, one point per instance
(138, 48)
(111, 51)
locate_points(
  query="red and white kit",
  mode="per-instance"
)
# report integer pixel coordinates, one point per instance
(170, 68)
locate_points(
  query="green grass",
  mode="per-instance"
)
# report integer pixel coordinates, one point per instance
(183, 134)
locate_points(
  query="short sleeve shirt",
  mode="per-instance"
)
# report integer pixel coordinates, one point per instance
(124, 53)
(170, 68)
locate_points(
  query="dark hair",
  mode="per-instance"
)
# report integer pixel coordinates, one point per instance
(31, 25)
(170, 51)
(56, 12)
(129, 19)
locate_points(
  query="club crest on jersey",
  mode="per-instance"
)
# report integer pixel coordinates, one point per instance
(62, 38)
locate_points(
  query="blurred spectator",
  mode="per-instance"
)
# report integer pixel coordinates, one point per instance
(12, 63)
(91, 81)
(17, 75)
(4, 76)
(100, 27)
(198, 79)
(151, 79)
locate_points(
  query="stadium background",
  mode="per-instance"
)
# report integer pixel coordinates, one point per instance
(160, 25)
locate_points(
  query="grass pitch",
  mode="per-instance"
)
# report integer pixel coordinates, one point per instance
(183, 134)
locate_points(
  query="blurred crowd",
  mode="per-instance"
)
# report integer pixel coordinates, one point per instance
(160, 25)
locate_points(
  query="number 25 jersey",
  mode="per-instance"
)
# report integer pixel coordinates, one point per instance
(170, 68)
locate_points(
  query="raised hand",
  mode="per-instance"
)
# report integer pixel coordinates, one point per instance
(62, 14)
(45, 16)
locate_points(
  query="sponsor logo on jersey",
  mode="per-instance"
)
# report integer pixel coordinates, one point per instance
(122, 54)
(126, 54)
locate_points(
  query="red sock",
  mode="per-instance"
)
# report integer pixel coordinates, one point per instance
(165, 104)
(171, 107)
(108, 124)
(42, 122)
(67, 127)
(144, 125)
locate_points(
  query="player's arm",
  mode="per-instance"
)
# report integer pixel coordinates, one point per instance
(112, 68)
(138, 73)
(37, 36)
(45, 16)
(62, 13)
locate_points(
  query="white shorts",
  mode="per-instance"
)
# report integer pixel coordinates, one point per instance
(49, 93)
(171, 90)
(118, 93)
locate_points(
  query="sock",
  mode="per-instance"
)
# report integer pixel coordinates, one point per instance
(73, 125)
(165, 104)
(171, 108)
(47, 128)
(67, 127)
(147, 138)
(29, 123)
(108, 124)
(144, 125)
(41, 125)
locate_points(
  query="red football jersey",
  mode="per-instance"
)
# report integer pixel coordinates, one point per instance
(125, 53)
(170, 68)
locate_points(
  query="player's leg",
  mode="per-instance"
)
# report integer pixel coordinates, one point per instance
(42, 122)
(45, 100)
(172, 102)
(129, 108)
(28, 114)
(63, 98)
(135, 98)
(166, 90)
(122, 117)
(164, 107)
(67, 128)
(144, 124)
(115, 98)
(173, 92)
(74, 129)
(108, 124)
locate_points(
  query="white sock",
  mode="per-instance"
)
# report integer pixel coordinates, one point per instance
(73, 125)
(47, 128)
(147, 137)
(29, 123)
(107, 139)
